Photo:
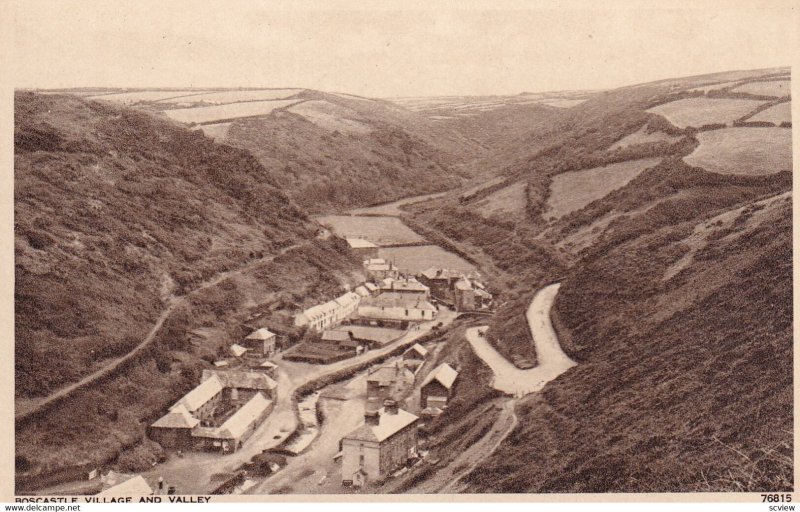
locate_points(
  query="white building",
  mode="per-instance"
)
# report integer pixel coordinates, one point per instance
(330, 314)
(397, 307)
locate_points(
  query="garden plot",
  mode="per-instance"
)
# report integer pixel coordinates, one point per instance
(227, 112)
(221, 97)
(378, 230)
(780, 113)
(414, 260)
(129, 98)
(642, 137)
(702, 111)
(752, 151)
(573, 190)
(777, 88)
(330, 117)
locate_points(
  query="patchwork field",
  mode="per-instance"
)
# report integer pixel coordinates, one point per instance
(642, 137)
(701, 111)
(780, 113)
(573, 190)
(714, 87)
(562, 103)
(417, 259)
(378, 230)
(137, 96)
(752, 151)
(777, 88)
(330, 117)
(510, 199)
(225, 112)
(220, 97)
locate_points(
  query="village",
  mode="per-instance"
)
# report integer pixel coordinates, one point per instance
(385, 315)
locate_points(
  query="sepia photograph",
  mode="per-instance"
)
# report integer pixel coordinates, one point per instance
(336, 250)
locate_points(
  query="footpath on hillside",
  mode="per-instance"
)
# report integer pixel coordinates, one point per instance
(552, 360)
(23, 413)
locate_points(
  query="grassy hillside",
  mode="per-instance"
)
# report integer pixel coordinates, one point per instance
(681, 384)
(328, 151)
(116, 212)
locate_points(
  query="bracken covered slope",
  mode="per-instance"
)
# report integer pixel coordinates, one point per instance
(114, 211)
(684, 376)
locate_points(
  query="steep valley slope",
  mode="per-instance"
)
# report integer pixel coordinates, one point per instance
(676, 299)
(676, 293)
(118, 214)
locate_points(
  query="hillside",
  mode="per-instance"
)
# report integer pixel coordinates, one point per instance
(684, 366)
(328, 151)
(119, 216)
(669, 251)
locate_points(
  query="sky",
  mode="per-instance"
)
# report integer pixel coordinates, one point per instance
(425, 49)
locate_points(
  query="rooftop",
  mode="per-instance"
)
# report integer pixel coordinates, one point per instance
(388, 425)
(463, 284)
(419, 349)
(360, 243)
(241, 379)
(201, 394)
(441, 273)
(405, 285)
(238, 350)
(260, 334)
(444, 374)
(237, 424)
(178, 417)
(398, 300)
(385, 375)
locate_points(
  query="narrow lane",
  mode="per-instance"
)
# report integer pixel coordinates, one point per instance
(552, 360)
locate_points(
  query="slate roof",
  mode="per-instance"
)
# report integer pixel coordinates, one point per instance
(235, 426)
(403, 285)
(384, 375)
(178, 417)
(419, 349)
(238, 350)
(260, 334)
(388, 425)
(444, 374)
(398, 300)
(201, 394)
(241, 379)
(433, 273)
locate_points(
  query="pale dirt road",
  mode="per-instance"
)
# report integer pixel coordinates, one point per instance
(552, 361)
(191, 474)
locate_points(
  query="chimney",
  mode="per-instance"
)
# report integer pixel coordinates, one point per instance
(438, 272)
(372, 418)
(390, 406)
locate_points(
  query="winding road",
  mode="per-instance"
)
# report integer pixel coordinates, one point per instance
(552, 360)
